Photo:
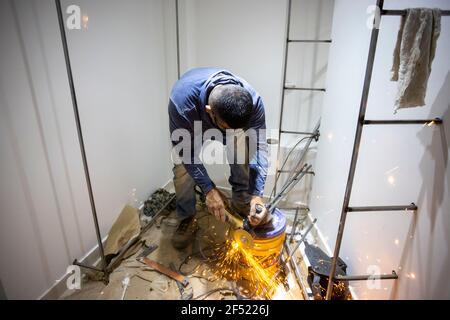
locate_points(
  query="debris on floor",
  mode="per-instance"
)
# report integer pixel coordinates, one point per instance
(183, 275)
(157, 200)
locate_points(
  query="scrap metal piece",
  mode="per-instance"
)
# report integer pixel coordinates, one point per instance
(183, 294)
(148, 249)
(164, 270)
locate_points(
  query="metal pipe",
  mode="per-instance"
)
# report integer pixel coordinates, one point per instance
(368, 277)
(356, 144)
(289, 171)
(297, 273)
(178, 38)
(314, 135)
(297, 132)
(305, 89)
(80, 133)
(80, 264)
(410, 207)
(403, 12)
(287, 29)
(310, 41)
(294, 225)
(300, 207)
(302, 238)
(272, 204)
(424, 121)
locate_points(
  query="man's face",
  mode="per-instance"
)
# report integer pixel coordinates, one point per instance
(216, 119)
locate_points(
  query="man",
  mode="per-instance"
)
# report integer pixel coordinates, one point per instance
(216, 99)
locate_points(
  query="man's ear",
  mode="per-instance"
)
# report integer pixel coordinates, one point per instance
(208, 108)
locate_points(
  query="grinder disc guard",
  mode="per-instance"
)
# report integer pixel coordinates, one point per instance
(243, 238)
(275, 227)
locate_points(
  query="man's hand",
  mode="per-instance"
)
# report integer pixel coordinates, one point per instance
(215, 204)
(256, 217)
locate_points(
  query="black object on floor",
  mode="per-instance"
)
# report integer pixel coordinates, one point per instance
(156, 201)
(318, 274)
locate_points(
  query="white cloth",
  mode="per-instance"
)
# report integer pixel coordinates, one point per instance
(413, 54)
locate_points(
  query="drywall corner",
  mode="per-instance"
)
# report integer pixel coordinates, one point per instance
(2, 292)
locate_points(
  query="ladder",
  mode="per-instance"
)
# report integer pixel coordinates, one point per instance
(359, 127)
(309, 136)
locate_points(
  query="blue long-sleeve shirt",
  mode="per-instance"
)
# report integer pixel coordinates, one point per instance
(187, 103)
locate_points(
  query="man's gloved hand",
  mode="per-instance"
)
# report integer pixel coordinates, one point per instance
(215, 204)
(255, 217)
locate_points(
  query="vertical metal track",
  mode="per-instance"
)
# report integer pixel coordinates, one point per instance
(356, 145)
(80, 136)
(178, 37)
(286, 49)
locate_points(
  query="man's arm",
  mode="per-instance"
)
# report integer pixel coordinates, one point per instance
(258, 164)
(258, 159)
(190, 161)
(193, 165)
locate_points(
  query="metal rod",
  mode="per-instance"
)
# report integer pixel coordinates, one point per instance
(356, 144)
(79, 132)
(77, 263)
(297, 273)
(297, 132)
(424, 121)
(403, 12)
(178, 38)
(288, 171)
(280, 194)
(286, 47)
(301, 207)
(368, 277)
(410, 207)
(294, 225)
(310, 41)
(291, 254)
(314, 135)
(288, 187)
(305, 89)
(299, 242)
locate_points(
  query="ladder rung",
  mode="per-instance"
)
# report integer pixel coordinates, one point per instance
(286, 171)
(300, 207)
(304, 89)
(424, 121)
(298, 132)
(403, 12)
(368, 277)
(309, 41)
(410, 207)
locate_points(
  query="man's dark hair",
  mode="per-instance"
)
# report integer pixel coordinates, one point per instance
(233, 104)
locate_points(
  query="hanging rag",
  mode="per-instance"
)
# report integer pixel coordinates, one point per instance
(413, 54)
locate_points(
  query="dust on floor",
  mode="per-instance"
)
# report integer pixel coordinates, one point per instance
(148, 284)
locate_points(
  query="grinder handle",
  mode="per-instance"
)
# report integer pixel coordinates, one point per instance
(259, 208)
(233, 220)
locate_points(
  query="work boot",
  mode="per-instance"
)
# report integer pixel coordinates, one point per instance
(185, 233)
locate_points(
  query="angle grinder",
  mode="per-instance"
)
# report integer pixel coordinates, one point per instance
(243, 231)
